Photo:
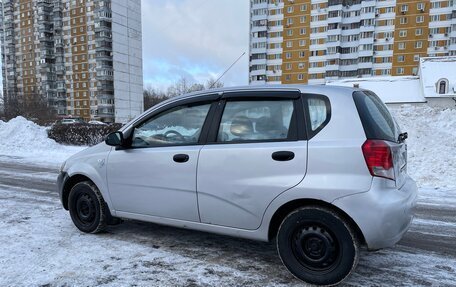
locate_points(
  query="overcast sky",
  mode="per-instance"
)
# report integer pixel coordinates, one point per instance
(197, 39)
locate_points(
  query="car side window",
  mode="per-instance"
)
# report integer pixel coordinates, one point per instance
(178, 126)
(256, 121)
(317, 112)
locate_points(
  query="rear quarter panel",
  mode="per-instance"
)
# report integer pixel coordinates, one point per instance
(336, 166)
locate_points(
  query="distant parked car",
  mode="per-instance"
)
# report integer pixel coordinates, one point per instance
(94, 122)
(320, 169)
(71, 121)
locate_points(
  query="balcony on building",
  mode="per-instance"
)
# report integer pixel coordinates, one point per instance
(102, 26)
(259, 28)
(370, 15)
(352, 65)
(103, 45)
(332, 67)
(364, 72)
(332, 20)
(104, 55)
(261, 5)
(103, 14)
(334, 29)
(369, 40)
(105, 86)
(365, 65)
(60, 87)
(332, 3)
(58, 25)
(258, 61)
(105, 74)
(369, 28)
(352, 20)
(8, 25)
(346, 56)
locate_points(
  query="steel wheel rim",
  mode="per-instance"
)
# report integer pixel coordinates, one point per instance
(315, 247)
(85, 209)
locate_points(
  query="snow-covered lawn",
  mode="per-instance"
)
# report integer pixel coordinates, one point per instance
(41, 246)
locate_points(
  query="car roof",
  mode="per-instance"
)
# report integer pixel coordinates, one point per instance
(311, 89)
(302, 88)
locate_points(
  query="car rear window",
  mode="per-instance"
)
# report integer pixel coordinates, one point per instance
(375, 117)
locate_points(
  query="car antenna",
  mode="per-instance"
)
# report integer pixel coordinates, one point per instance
(234, 63)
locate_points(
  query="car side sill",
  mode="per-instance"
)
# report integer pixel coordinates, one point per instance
(222, 230)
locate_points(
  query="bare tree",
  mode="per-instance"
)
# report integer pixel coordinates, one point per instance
(182, 86)
(212, 84)
(35, 108)
(152, 97)
(39, 110)
(2, 106)
(12, 108)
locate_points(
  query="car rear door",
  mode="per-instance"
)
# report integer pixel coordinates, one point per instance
(256, 150)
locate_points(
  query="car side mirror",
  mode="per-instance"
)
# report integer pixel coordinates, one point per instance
(115, 139)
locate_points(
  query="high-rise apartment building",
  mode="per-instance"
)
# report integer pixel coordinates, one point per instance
(84, 57)
(311, 41)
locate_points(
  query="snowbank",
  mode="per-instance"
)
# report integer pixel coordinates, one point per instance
(431, 144)
(28, 142)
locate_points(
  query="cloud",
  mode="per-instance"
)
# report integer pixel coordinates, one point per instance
(197, 39)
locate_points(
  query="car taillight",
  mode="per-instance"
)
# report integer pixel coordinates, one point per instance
(379, 158)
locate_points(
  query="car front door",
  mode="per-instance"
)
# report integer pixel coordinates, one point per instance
(256, 150)
(156, 176)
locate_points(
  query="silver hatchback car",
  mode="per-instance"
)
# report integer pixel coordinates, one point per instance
(321, 170)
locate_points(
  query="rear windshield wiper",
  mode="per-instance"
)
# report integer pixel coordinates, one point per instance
(402, 137)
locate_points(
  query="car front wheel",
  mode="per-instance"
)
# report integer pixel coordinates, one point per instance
(87, 207)
(317, 246)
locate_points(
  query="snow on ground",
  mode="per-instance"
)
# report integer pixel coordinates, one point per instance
(431, 144)
(57, 254)
(28, 142)
(42, 247)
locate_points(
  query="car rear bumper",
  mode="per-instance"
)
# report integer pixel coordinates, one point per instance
(384, 213)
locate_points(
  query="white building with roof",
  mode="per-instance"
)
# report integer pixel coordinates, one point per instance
(438, 78)
(435, 84)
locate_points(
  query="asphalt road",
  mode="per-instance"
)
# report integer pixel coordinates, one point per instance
(426, 256)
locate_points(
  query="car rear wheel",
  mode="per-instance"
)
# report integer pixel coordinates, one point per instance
(317, 246)
(87, 208)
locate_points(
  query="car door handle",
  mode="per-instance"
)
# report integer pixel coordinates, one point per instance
(181, 158)
(283, 155)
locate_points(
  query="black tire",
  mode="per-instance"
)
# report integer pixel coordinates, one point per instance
(87, 208)
(317, 246)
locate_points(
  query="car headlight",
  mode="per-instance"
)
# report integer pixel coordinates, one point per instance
(62, 166)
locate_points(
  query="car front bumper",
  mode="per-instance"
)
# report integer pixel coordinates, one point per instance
(384, 213)
(61, 179)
